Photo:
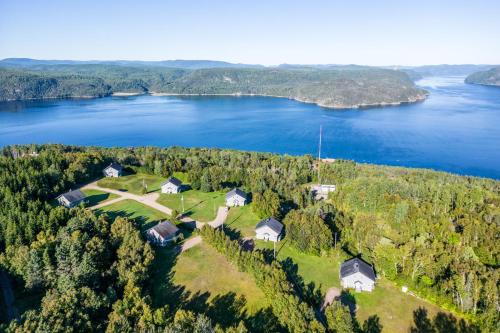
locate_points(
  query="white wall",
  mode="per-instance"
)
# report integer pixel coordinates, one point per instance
(267, 233)
(170, 188)
(110, 172)
(235, 201)
(350, 282)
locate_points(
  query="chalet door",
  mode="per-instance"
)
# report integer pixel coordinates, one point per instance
(358, 286)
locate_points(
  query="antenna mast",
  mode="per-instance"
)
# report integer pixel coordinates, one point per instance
(319, 153)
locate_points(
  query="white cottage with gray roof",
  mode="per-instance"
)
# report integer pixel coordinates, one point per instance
(236, 197)
(113, 170)
(171, 185)
(163, 233)
(269, 229)
(71, 198)
(357, 274)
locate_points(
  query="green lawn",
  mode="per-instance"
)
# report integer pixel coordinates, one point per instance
(144, 215)
(201, 270)
(95, 197)
(393, 307)
(242, 219)
(132, 183)
(198, 205)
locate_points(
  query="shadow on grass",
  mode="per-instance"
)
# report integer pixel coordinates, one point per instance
(96, 199)
(226, 309)
(442, 323)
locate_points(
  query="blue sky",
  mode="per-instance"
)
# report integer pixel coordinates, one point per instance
(266, 32)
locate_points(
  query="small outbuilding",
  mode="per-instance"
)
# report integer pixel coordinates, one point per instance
(357, 274)
(113, 170)
(321, 191)
(163, 233)
(236, 197)
(71, 198)
(171, 185)
(269, 229)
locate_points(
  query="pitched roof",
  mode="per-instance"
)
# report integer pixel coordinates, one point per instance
(234, 192)
(172, 180)
(356, 265)
(272, 223)
(73, 196)
(115, 166)
(165, 229)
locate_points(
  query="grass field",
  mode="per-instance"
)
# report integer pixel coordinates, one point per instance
(95, 197)
(242, 219)
(195, 270)
(144, 215)
(198, 205)
(393, 307)
(132, 183)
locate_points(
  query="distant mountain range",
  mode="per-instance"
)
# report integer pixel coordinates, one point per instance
(185, 64)
(333, 86)
(489, 77)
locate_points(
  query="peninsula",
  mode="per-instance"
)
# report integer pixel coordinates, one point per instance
(332, 87)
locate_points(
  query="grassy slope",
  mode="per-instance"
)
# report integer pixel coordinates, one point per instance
(195, 269)
(145, 216)
(199, 205)
(132, 183)
(95, 197)
(243, 219)
(394, 308)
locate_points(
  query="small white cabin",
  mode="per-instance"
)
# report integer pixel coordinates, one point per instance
(163, 233)
(236, 197)
(113, 170)
(71, 198)
(358, 275)
(269, 229)
(171, 185)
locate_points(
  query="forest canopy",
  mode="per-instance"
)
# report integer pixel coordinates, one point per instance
(433, 231)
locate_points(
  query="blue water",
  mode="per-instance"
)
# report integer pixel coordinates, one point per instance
(456, 129)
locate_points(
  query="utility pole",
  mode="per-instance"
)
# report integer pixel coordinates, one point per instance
(182, 203)
(335, 246)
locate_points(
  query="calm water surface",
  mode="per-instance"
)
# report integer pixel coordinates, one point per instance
(456, 129)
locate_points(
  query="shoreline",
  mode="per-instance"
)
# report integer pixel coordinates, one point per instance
(415, 99)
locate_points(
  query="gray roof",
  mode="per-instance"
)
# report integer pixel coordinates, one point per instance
(166, 229)
(73, 196)
(234, 192)
(172, 180)
(115, 166)
(272, 223)
(356, 265)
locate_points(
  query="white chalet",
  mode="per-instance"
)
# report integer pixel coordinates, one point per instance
(269, 229)
(171, 185)
(236, 197)
(357, 274)
(162, 233)
(71, 198)
(113, 170)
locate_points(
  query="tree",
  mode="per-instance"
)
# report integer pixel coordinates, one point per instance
(267, 204)
(338, 318)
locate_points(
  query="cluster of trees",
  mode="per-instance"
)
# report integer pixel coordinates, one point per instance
(433, 231)
(341, 87)
(489, 77)
(292, 313)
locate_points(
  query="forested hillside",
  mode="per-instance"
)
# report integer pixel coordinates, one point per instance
(336, 87)
(490, 77)
(435, 232)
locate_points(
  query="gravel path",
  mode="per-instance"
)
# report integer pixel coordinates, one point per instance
(148, 199)
(331, 295)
